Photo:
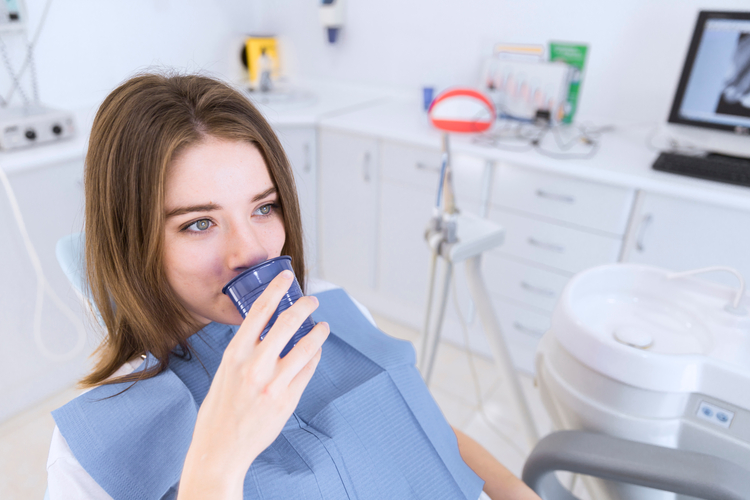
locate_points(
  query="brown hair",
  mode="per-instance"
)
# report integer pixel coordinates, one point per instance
(139, 129)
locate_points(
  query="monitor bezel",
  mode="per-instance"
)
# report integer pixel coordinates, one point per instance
(700, 25)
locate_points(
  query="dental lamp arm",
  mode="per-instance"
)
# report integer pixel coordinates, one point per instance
(606, 457)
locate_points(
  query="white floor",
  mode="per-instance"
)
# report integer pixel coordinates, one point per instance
(24, 439)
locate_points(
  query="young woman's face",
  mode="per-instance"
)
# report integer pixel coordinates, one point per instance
(222, 217)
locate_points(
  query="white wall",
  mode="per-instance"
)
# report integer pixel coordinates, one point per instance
(88, 46)
(637, 47)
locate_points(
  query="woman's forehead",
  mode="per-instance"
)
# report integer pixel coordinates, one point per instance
(216, 168)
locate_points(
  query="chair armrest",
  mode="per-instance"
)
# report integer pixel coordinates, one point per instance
(606, 457)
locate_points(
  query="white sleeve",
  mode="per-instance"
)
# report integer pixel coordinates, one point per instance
(66, 478)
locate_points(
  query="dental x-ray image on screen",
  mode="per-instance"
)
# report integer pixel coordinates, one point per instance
(735, 98)
(714, 89)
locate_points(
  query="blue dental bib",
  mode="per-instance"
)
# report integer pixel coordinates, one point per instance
(365, 428)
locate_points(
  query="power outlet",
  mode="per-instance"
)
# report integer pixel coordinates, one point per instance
(715, 414)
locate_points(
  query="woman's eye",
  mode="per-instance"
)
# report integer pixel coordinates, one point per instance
(199, 225)
(265, 209)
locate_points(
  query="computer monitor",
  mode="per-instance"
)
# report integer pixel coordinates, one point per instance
(711, 108)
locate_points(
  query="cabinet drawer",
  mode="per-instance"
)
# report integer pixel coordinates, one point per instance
(522, 283)
(414, 166)
(522, 329)
(555, 246)
(420, 168)
(588, 204)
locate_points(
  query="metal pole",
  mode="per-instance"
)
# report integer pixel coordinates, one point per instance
(428, 314)
(435, 339)
(497, 343)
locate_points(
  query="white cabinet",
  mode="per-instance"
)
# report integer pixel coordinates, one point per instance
(680, 234)
(349, 209)
(51, 202)
(588, 205)
(300, 145)
(555, 226)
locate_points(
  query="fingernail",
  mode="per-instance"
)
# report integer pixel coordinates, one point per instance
(315, 299)
(287, 274)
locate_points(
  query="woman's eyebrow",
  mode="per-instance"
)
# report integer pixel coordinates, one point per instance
(264, 194)
(194, 208)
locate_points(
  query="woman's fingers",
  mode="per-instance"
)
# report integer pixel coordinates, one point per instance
(262, 310)
(287, 324)
(302, 378)
(305, 350)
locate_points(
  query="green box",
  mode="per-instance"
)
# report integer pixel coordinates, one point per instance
(574, 55)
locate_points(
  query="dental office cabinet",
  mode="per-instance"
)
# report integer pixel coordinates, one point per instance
(379, 164)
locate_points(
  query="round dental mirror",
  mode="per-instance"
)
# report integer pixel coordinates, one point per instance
(462, 110)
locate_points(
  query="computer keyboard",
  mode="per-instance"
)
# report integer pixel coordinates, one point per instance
(714, 167)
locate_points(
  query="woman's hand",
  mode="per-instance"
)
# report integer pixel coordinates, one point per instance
(252, 396)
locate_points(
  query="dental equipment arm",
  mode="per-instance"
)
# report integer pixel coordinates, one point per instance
(458, 237)
(683, 472)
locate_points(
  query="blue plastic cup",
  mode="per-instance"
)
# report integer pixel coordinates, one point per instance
(247, 286)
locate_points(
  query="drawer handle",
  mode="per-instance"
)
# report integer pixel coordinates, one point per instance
(555, 197)
(645, 223)
(528, 330)
(546, 246)
(308, 160)
(428, 168)
(366, 166)
(537, 290)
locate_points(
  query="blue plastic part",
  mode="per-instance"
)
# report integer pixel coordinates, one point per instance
(333, 34)
(428, 95)
(245, 288)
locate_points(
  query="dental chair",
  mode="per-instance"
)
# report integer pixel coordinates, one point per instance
(697, 475)
(646, 375)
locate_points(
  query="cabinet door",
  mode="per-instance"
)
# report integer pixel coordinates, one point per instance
(681, 235)
(404, 255)
(300, 146)
(348, 209)
(51, 203)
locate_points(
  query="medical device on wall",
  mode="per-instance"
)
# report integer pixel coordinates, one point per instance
(332, 18)
(25, 125)
(24, 120)
(711, 107)
(654, 357)
(22, 127)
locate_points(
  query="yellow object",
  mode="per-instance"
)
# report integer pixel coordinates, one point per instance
(261, 53)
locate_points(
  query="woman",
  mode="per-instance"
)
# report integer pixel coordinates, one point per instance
(187, 186)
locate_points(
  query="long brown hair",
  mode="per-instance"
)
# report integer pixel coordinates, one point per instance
(139, 128)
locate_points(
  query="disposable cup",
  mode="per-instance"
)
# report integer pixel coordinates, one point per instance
(246, 287)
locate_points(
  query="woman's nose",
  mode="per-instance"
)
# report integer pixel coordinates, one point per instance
(244, 249)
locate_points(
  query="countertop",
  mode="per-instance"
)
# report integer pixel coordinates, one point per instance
(624, 157)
